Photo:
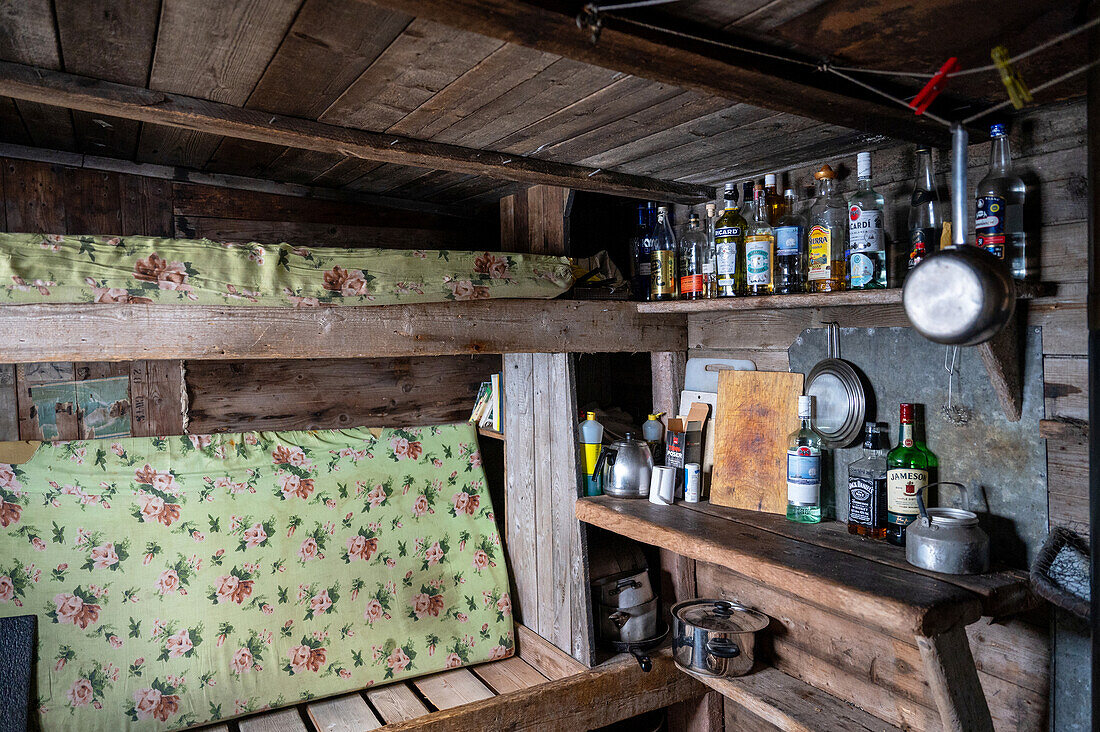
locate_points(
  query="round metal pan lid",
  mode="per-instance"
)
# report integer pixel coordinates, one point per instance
(840, 403)
(721, 616)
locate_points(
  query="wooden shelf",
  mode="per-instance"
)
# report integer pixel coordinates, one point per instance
(486, 432)
(892, 296)
(821, 563)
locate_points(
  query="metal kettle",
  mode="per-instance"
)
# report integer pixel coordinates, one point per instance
(947, 540)
(626, 465)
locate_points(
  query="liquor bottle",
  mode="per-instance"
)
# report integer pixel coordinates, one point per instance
(907, 469)
(748, 207)
(662, 259)
(790, 248)
(867, 487)
(729, 247)
(708, 229)
(775, 204)
(999, 222)
(804, 468)
(695, 262)
(827, 239)
(925, 224)
(759, 250)
(866, 238)
(640, 251)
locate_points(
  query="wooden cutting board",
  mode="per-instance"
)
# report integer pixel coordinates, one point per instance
(757, 412)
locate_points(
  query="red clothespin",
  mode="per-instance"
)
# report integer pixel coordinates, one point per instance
(934, 86)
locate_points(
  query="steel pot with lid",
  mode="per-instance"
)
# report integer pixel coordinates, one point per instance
(715, 637)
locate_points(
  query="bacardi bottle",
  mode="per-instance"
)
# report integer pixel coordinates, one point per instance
(695, 262)
(662, 259)
(790, 248)
(925, 224)
(804, 468)
(867, 487)
(760, 251)
(907, 469)
(729, 247)
(827, 239)
(866, 238)
(999, 222)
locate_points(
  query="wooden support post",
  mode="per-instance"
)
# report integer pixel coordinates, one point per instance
(1001, 356)
(953, 679)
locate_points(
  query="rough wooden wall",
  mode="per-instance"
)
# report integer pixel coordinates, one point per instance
(49, 198)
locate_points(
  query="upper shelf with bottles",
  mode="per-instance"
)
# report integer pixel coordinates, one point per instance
(777, 252)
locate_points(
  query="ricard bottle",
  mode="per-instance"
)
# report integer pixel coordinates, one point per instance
(790, 248)
(759, 251)
(662, 259)
(866, 238)
(999, 222)
(696, 267)
(867, 487)
(729, 247)
(827, 239)
(925, 224)
(907, 469)
(804, 468)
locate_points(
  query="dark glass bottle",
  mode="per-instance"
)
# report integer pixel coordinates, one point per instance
(867, 487)
(663, 282)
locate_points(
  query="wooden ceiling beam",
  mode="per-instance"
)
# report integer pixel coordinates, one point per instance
(59, 89)
(684, 62)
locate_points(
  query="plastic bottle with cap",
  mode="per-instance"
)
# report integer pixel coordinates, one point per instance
(653, 431)
(591, 441)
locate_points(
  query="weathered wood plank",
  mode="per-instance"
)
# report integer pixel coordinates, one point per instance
(396, 703)
(123, 332)
(1066, 387)
(327, 235)
(892, 599)
(286, 720)
(548, 659)
(519, 498)
(342, 714)
(93, 203)
(9, 404)
(158, 398)
(949, 667)
(452, 688)
(511, 674)
(34, 197)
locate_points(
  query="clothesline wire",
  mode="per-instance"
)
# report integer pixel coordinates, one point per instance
(627, 6)
(1041, 87)
(887, 95)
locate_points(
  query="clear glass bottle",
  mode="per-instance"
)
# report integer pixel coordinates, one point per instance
(804, 468)
(867, 487)
(790, 248)
(999, 222)
(729, 247)
(640, 251)
(907, 471)
(708, 228)
(695, 261)
(760, 251)
(662, 259)
(775, 203)
(925, 222)
(748, 207)
(827, 239)
(866, 237)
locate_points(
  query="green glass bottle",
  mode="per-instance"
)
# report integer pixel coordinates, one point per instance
(907, 469)
(729, 247)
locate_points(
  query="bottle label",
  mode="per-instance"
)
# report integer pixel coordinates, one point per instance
(725, 256)
(708, 268)
(728, 232)
(663, 279)
(758, 254)
(820, 241)
(864, 500)
(804, 476)
(644, 268)
(989, 225)
(902, 487)
(921, 243)
(788, 241)
(865, 229)
(691, 285)
(861, 268)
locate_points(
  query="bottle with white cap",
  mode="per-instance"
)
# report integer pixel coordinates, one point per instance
(866, 237)
(775, 204)
(804, 468)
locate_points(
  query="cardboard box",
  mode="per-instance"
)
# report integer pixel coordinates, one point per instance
(684, 441)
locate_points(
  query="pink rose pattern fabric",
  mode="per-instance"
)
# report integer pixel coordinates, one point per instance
(141, 270)
(184, 580)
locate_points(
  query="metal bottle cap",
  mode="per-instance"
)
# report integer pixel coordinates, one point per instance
(769, 179)
(863, 165)
(997, 130)
(805, 406)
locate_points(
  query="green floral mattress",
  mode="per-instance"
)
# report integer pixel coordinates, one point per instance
(187, 579)
(141, 269)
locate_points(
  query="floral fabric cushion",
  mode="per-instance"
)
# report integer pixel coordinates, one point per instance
(141, 269)
(187, 579)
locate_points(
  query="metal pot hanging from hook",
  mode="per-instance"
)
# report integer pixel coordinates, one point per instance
(961, 295)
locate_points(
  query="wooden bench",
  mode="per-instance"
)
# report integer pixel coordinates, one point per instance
(539, 688)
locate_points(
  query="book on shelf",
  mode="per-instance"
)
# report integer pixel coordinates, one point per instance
(498, 402)
(481, 404)
(488, 411)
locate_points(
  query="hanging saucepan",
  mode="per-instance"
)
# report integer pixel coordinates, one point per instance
(962, 295)
(840, 402)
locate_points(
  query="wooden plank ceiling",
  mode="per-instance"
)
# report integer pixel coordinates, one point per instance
(355, 64)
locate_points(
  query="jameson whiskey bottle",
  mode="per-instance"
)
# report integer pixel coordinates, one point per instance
(760, 251)
(662, 279)
(729, 247)
(827, 239)
(867, 487)
(907, 468)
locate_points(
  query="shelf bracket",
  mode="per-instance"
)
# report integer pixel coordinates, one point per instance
(1001, 356)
